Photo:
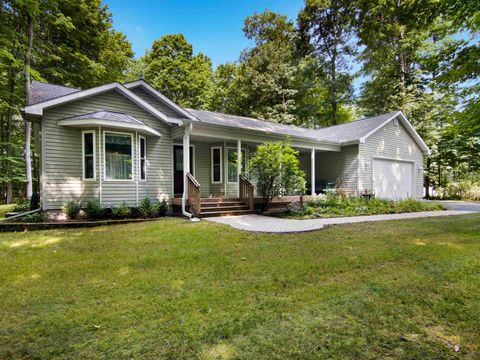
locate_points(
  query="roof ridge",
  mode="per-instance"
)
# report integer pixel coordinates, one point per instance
(357, 120)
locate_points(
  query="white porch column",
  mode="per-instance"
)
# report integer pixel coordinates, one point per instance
(239, 163)
(186, 165)
(313, 171)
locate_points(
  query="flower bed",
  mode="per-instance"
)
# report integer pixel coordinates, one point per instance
(334, 205)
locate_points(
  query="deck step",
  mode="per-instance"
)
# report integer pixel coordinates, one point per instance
(209, 205)
(216, 200)
(225, 213)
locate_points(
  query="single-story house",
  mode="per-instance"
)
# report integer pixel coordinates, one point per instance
(123, 142)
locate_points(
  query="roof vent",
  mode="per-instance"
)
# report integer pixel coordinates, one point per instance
(395, 122)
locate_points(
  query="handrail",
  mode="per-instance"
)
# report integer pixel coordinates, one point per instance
(193, 195)
(246, 192)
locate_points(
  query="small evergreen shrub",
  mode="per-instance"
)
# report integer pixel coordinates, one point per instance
(145, 208)
(160, 208)
(71, 209)
(35, 201)
(94, 210)
(34, 218)
(121, 211)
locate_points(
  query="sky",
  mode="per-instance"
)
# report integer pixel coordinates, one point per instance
(212, 27)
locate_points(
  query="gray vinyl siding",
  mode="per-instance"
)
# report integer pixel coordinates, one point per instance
(330, 166)
(62, 173)
(392, 142)
(159, 105)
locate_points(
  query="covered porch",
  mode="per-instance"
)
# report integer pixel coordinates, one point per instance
(211, 178)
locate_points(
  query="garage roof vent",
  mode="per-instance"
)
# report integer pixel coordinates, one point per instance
(395, 122)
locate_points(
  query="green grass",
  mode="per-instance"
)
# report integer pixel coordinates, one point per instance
(5, 208)
(178, 289)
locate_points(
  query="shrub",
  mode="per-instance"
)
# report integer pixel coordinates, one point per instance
(22, 205)
(160, 208)
(35, 217)
(71, 209)
(35, 201)
(467, 189)
(121, 211)
(94, 210)
(145, 208)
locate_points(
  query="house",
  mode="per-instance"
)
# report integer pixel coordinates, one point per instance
(123, 142)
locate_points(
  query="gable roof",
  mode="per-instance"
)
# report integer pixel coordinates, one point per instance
(37, 109)
(42, 91)
(157, 94)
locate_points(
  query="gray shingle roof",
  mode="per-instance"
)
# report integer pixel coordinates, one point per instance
(342, 133)
(43, 91)
(108, 115)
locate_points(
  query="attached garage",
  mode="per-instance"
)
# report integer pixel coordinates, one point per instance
(393, 179)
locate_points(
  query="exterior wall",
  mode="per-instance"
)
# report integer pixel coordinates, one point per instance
(155, 102)
(392, 142)
(332, 165)
(62, 157)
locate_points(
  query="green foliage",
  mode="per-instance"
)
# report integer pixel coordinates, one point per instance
(71, 209)
(467, 188)
(34, 218)
(94, 210)
(146, 208)
(121, 211)
(333, 205)
(160, 208)
(170, 67)
(275, 166)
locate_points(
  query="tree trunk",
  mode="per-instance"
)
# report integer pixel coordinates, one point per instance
(28, 91)
(8, 139)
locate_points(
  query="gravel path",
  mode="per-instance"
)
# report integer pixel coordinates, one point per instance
(261, 223)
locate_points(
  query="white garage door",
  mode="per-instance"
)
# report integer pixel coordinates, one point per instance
(392, 179)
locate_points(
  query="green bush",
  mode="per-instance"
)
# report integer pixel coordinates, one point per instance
(94, 210)
(349, 205)
(34, 218)
(121, 211)
(22, 205)
(160, 208)
(467, 189)
(145, 208)
(71, 209)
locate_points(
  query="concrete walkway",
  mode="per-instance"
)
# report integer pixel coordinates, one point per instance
(261, 223)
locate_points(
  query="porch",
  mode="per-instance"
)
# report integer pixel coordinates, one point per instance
(210, 178)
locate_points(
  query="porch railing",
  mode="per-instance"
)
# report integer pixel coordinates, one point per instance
(246, 192)
(193, 195)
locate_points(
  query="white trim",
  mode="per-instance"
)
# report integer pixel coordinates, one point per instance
(414, 165)
(312, 170)
(104, 160)
(245, 162)
(411, 130)
(211, 165)
(109, 123)
(100, 195)
(94, 156)
(140, 137)
(135, 173)
(37, 109)
(43, 195)
(160, 97)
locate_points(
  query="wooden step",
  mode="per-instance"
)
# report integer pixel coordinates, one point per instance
(209, 205)
(225, 213)
(214, 200)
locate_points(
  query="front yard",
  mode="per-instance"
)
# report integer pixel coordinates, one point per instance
(179, 289)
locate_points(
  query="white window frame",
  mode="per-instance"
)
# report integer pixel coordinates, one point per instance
(245, 162)
(211, 164)
(94, 156)
(140, 137)
(105, 152)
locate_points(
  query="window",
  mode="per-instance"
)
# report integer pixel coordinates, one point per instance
(143, 157)
(88, 150)
(232, 164)
(216, 164)
(118, 156)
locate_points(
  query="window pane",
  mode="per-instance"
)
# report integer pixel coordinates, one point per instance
(88, 162)
(88, 141)
(118, 157)
(232, 165)
(142, 169)
(143, 162)
(216, 165)
(142, 148)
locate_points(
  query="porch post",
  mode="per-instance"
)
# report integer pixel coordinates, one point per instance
(186, 164)
(313, 171)
(239, 163)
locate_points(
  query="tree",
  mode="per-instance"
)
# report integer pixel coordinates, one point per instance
(225, 90)
(171, 68)
(276, 168)
(327, 26)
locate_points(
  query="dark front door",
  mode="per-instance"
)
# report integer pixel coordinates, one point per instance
(178, 168)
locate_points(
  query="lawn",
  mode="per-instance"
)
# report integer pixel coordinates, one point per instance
(178, 289)
(5, 208)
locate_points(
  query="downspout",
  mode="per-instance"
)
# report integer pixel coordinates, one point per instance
(186, 165)
(100, 163)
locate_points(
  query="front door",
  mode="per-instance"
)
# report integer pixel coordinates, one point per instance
(178, 168)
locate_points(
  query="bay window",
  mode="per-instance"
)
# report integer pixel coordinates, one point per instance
(118, 156)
